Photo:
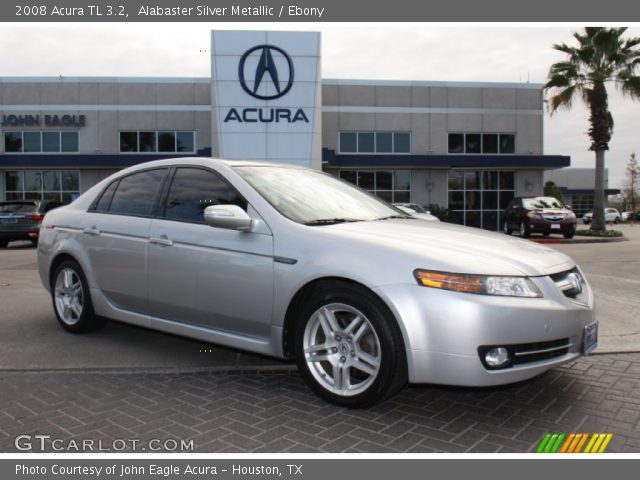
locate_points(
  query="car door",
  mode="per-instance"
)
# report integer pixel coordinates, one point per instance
(201, 275)
(115, 236)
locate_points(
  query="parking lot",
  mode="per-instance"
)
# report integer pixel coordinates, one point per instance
(125, 382)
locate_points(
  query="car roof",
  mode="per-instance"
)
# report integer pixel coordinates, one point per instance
(206, 160)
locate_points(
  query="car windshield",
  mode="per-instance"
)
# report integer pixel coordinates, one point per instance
(315, 198)
(416, 208)
(540, 203)
(17, 207)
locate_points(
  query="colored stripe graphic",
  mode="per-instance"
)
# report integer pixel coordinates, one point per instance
(557, 442)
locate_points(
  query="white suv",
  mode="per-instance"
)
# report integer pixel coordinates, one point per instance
(610, 215)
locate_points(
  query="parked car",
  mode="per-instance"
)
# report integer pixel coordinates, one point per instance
(294, 263)
(20, 219)
(416, 211)
(611, 215)
(626, 216)
(544, 215)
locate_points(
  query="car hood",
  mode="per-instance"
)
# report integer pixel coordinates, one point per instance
(445, 246)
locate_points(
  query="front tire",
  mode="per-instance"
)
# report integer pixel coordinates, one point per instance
(506, 229)
(71, 299)
(4, 243)
(524, 230)
(349, 348)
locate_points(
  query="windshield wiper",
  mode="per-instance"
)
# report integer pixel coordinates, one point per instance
(332, 221)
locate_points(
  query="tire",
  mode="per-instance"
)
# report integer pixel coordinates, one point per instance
(524, 230)
(586, 222)
(506, 229)
(350, 328)
(617, 220)
(569, 234)
(4, 243)
(34, 241)
(71, 299)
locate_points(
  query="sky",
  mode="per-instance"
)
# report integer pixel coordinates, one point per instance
(361, 51)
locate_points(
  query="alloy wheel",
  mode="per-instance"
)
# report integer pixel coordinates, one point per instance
(69, 296)
(342, 349)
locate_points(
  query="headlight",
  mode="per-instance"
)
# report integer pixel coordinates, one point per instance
(480, 284)
(535, 215)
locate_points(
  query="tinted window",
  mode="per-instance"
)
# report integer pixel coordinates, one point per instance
(21, 207)
(194, 189)
(136, 193)
(105, 199)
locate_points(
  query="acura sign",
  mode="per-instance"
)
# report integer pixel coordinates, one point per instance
(266, 95)
(266, 81)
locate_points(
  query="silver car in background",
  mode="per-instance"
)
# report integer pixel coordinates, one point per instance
(295, 263)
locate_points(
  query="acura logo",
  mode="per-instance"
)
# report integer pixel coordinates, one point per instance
(269, 72)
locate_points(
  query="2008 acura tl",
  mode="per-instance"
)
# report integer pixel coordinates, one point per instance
(294, 263)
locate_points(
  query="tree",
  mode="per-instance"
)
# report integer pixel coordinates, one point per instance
(601, 57)
(552, 190)
(633, 177)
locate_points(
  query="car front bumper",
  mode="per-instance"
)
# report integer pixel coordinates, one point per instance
(443, 331)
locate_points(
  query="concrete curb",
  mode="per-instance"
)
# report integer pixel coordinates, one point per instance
(227, 370)
(564, 241)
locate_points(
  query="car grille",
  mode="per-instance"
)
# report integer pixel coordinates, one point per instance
(536, 352)
(554, 217)
(572, 284)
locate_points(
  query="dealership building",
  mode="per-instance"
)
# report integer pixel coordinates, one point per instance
(467, 146)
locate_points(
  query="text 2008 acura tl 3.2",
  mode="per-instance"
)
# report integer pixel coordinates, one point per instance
(294, 263)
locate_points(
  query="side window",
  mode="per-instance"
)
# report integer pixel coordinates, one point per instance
(194, 189)
(136, 194)
(105, 199)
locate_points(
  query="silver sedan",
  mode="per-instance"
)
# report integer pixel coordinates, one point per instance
(294, 263)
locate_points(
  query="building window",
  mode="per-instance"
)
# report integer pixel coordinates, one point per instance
(375, 142)
(157, 141)
(478, 197)
(57, 185)
(488, 143)
(394, 186)
(41, 142)
(581, 204)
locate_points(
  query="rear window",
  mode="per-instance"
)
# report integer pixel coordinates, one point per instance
(18, 207)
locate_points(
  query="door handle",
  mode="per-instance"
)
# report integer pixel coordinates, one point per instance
(162, 240)
(91, 231)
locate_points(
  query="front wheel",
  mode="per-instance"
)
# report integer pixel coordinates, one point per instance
(506, 229)
(524, 230)
(71, 299)
(349, 348)
(617, 220)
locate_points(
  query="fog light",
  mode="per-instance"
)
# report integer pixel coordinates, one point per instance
(497, 357)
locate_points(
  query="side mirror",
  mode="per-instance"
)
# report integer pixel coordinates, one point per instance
(231, 217)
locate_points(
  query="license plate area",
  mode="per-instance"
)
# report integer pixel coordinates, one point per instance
(555, 226)
(590, 342)
(9, 220)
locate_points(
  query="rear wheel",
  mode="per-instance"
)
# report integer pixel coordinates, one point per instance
(349, 348)
(524, 230)
(71, 299)
(4, 243)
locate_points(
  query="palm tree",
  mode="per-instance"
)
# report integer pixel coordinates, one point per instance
(602, 56)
